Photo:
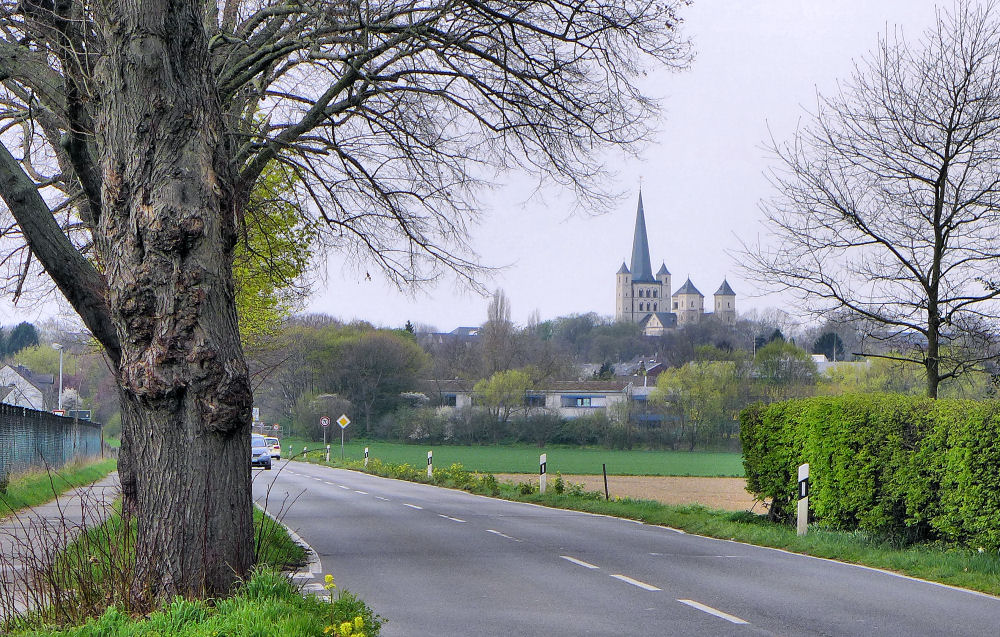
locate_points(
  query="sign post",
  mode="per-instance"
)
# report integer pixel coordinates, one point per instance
(803, 508)
(366, 457)
(541, 473)
(343, 421)
(430, 464)
(325, 423)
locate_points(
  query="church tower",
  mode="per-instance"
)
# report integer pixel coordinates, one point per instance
(725, 304)
(637, 292)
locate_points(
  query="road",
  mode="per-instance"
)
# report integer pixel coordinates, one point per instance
(447, 563)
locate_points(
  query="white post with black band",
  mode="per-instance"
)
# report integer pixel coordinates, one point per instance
(803, 508)
(430, 464)
(541, 473)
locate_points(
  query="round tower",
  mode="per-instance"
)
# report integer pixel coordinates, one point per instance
(725, 304)
(623, 294)
(663, 276)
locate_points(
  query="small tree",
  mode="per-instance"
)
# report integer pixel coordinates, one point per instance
(503, 394)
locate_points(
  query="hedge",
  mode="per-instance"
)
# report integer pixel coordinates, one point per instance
(902, 467)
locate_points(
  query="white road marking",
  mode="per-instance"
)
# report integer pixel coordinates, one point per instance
(578, 562)
(378, 497)
(412, 506)
(361, 492)
(329, 483)
(448, 517)
(344, 487)
(635, 582)
(457, 520)
(713, 611)
(494, 532)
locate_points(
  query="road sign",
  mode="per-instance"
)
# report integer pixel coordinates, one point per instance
(325, 421)
(343, 421)
(276, 427)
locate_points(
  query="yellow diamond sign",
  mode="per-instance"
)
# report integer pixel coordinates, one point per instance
(343, 421)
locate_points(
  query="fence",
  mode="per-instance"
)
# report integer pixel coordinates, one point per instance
(30, 438)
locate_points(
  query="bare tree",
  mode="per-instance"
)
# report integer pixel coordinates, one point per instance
(134, 132)
(887, 203)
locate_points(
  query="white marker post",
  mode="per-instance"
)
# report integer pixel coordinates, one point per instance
(430, 464)
(366, 457)
(541, 473)
(328, 453)
(803, 509)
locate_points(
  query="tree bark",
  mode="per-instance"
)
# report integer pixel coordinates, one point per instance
(166, 237)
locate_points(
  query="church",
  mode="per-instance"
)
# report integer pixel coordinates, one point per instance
(644, 299)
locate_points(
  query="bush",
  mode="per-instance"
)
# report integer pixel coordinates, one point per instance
(902, 467)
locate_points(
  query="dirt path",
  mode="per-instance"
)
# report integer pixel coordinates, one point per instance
(729, 494)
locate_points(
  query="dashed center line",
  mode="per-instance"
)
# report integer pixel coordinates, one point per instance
(344, 487)
(504, 535)
(635, 582)
(361, 492)
(412, 506)
(713, 611)
(378, 497)
(448, 517)
(578, 562)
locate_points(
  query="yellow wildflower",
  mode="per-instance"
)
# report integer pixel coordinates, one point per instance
(359, 623)
(346, 629)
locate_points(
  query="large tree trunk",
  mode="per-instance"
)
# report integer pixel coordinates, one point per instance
(166, 241)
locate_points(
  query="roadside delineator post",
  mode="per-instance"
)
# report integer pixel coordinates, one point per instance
(541, 473)
(430, 464)
(366, 457)
(328, 453)
(803, 508)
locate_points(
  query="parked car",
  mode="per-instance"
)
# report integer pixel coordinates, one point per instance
(260, 452)
(275, 447)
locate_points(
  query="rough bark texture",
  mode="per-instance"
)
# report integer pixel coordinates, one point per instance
(166, 237)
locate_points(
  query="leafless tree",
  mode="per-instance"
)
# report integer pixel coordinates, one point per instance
(887, 202)
(133, 133)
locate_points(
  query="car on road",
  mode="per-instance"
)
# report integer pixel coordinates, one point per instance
(275, 447)
(260, 452)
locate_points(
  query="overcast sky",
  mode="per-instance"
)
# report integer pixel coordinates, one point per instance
(758, 66)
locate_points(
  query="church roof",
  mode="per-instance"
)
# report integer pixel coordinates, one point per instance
(724, 289)
(642, 272)
(666, 319)
(623, 269)
(688, 288)
(663, 269)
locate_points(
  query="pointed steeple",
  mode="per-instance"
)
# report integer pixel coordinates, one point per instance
(642, 271)
(725, 289)
(623, 269)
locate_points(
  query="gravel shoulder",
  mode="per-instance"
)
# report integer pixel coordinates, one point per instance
(728, 494)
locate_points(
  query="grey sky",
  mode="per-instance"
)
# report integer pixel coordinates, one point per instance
(758, 65)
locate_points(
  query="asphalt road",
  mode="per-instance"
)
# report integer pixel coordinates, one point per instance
(447, 563)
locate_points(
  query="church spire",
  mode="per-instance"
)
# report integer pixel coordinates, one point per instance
(642, 271)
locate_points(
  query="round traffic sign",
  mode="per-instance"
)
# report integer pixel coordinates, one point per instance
(325, 421)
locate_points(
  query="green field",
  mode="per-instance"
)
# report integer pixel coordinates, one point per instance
(524, 458)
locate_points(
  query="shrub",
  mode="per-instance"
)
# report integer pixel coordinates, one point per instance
(901, 467)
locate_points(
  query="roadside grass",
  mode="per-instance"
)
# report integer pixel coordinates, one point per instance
(268, 603)
(91, 595)
(37, 486)
(952, 565)
(524, 458)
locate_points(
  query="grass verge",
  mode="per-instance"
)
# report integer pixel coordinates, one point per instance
(952, 565)
(266, 604)
(37, 486)
(524, 458)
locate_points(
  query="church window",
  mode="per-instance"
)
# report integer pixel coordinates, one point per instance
(654, 307)
(675, 305)
(691, 303)
(654, 294)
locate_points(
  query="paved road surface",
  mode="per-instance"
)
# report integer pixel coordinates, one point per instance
(447, 563)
